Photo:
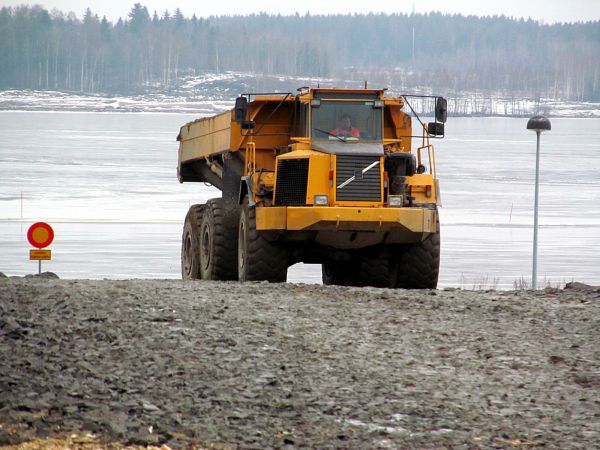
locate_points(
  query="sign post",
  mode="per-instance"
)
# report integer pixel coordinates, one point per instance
(40, 235)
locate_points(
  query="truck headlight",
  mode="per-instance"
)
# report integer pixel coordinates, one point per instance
(395, 200)
(321, 200)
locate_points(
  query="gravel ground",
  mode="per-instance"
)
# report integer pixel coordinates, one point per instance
(257, 365)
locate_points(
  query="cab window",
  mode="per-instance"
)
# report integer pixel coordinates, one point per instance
(348, 120)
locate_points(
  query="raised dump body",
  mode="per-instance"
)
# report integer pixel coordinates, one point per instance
(327, 176)
(205, 137)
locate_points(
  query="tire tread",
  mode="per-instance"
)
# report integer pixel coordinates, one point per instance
(418, 265)
(224, 241)
(265, 260)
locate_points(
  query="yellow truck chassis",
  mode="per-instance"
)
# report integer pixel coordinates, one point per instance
(359, 199)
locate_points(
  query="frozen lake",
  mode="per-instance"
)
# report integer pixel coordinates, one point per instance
(107, 184)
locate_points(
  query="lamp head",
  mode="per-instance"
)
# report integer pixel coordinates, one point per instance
(539, 124)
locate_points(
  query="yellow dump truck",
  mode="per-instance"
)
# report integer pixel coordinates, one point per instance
(324, 176)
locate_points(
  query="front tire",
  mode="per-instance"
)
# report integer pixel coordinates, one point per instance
(258, 258)
(417, 266)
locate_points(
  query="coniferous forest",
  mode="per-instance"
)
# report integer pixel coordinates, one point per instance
(52, 50)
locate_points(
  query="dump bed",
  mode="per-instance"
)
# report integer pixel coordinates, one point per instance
(203, 138)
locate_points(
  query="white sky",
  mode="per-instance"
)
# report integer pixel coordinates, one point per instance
(548, 11)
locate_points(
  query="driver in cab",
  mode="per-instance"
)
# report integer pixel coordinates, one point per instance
(345, 128)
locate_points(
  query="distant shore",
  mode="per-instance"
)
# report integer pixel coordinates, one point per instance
(203, 104)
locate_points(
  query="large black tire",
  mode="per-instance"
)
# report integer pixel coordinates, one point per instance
(361, 270)
(218, 242)
(190, 245)
(374, 271)
(336, 272)
(417, 266)
(258, 258)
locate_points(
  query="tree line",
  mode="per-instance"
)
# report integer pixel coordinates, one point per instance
(444, 53)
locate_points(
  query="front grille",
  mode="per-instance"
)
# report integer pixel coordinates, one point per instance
(365, 187)
(292, 178)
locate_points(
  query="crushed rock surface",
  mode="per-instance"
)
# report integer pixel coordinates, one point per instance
(258, 365)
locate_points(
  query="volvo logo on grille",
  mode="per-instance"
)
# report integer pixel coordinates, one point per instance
(360, 174)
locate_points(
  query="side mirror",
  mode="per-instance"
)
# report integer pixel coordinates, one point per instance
(241, 109)
(435, 128)
(248, 124)
(441, 110)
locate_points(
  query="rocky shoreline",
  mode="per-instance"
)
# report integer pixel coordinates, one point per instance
(208, 96)
(258, 365)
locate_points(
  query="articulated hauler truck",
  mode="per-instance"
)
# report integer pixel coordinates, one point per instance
(324, 176)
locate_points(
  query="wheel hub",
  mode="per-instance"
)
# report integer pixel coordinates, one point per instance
(242, 248)
(205, 248)
(187, 263)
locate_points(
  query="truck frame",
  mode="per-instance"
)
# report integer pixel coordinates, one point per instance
(364, 204)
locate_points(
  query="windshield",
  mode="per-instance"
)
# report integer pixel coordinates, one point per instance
(346, 121)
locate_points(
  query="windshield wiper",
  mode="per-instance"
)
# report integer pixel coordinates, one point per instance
(329, 133)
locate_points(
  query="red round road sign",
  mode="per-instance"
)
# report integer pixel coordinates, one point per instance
(40, 235)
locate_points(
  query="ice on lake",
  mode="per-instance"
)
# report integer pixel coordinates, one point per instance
(107, 184)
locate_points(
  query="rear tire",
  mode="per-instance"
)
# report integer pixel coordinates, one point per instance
(417, 266)
(359, 271)
(336, 273)
(258, 258)
(190, 248)
(374, 271)
(218, 242)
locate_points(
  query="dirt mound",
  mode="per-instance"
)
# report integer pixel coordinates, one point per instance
(581, 286)
(262, 365)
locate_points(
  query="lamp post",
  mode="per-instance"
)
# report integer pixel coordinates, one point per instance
(537, 124)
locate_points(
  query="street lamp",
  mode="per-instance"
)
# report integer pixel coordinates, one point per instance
(537, 124)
